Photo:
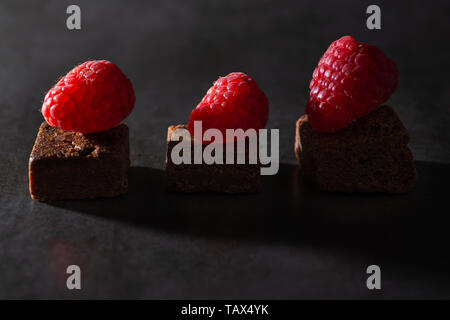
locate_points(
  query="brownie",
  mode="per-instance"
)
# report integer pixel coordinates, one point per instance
(70, 165)
(222, 178)
(370, 155)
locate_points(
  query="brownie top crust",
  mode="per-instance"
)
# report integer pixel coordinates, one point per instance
(172, 129)
(381, 125)
(53, 142)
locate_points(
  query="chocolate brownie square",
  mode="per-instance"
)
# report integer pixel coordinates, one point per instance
(370, 155)
(222, 178)
(71, 165)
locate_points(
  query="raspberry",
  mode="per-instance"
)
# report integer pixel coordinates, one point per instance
(351, 80)
(233, 102)
(94, 96)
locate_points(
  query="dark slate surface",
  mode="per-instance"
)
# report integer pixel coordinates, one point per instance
(289, 241)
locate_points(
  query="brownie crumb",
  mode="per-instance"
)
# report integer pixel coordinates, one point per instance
(221, 178)
(71, 165)
(370, 155)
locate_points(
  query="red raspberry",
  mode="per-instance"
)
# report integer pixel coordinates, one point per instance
(351, 80)
(94, 96)
(233, 102)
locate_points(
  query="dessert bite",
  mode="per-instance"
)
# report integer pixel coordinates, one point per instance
(82, 150)
(233, 102)
(347, 141)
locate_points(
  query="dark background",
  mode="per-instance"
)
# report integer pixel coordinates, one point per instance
(289, 241)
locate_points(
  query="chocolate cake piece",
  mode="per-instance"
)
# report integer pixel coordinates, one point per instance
(370, 155)
(222, 178)
(70, 165)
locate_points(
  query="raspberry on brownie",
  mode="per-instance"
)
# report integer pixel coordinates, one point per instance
(346, 142)
(94, 96)
(351, 80)
(82, 151)
(233, 102)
